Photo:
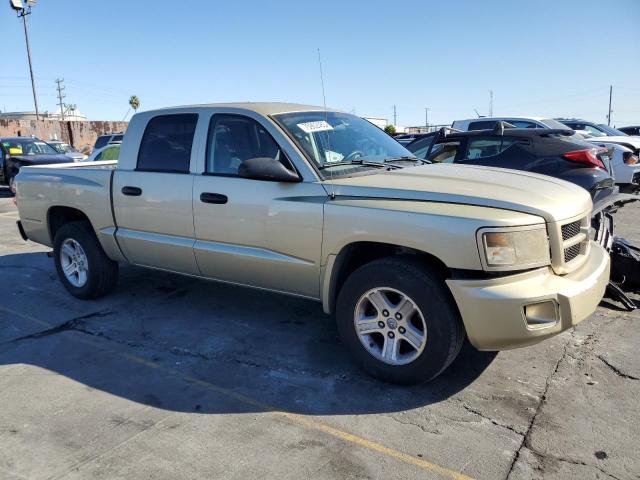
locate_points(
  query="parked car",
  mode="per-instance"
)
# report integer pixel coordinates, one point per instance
(631, 130)
(622, 168)
(109, 152)
(17, 152)
(602, 133)
(546, 151)
(103, 140)
(322, 204)
(625, 166)
(486, 123)
(67, 150)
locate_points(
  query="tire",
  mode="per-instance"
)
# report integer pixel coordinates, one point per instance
(430, 311)
(100, 272)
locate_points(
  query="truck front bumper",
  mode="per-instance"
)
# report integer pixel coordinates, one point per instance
(523, 309)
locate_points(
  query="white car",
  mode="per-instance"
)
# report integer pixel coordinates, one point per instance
(484, 123)
(624, 165)
(603, 133)
(108, 152)
(67, 150)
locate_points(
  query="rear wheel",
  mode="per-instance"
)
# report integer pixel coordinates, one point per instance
(399, 320)
(83, 267)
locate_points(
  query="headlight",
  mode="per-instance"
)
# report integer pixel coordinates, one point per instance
(514, 248)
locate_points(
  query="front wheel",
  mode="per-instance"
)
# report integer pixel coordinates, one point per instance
(83, 267)
(399, 320)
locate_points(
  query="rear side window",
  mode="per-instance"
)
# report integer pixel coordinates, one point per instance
(102, 141)
(166, 143)
(109, 153)
(234, 139)
(522, 124)
(116, 138)
(482, 125)
(445, 152)
(487, 147)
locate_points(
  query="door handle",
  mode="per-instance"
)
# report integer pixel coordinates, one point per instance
(207, 197)
(132, 191)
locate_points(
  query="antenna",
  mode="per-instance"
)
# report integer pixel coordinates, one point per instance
(332, 194)
(477, 113)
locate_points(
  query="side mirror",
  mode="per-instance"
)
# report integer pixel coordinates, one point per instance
(265, 168)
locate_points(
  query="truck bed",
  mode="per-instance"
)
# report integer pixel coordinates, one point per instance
(83, 187)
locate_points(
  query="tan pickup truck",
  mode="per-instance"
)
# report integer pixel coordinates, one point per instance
(411, 257)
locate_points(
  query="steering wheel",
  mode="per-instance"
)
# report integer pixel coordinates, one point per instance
(353, 156)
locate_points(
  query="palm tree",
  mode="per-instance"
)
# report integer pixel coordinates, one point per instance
(134, 102)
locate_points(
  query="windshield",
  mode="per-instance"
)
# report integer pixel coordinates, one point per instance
(612, 131)
(330, 138)
(28, 147)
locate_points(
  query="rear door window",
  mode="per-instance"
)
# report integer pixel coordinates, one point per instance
(166, 143)
(485, 147)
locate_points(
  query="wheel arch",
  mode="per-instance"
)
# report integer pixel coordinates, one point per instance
(59, 215)
(353, 255)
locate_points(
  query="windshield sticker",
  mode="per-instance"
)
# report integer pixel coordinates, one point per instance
(312, 127)
(333, 157)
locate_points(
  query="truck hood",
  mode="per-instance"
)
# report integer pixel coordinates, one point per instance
(41, 159)
(550, 198)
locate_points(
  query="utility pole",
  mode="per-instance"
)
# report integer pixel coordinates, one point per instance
(394, 116)
(22, 12)
(61, 96)
(610, 96)
(490, 103)
(426, 118)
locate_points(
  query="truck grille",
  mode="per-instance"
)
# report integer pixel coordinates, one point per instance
(574, 240)
(570, 230)
(572, 252)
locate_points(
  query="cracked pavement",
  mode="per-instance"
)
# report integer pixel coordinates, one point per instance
(171, 377)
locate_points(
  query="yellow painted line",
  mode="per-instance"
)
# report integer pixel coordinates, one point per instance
(27, 317)
(10, 215)
(302, 420)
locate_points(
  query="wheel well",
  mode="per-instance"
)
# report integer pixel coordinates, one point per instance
(355, 255)
(58, 216)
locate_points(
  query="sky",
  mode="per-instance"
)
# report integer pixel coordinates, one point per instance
(549, 58)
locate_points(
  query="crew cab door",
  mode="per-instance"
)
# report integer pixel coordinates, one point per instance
(255, 232)
(152, 202)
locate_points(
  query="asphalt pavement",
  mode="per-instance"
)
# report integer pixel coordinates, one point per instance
(172, 377)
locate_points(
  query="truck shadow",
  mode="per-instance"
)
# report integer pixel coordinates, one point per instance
(194, 346)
